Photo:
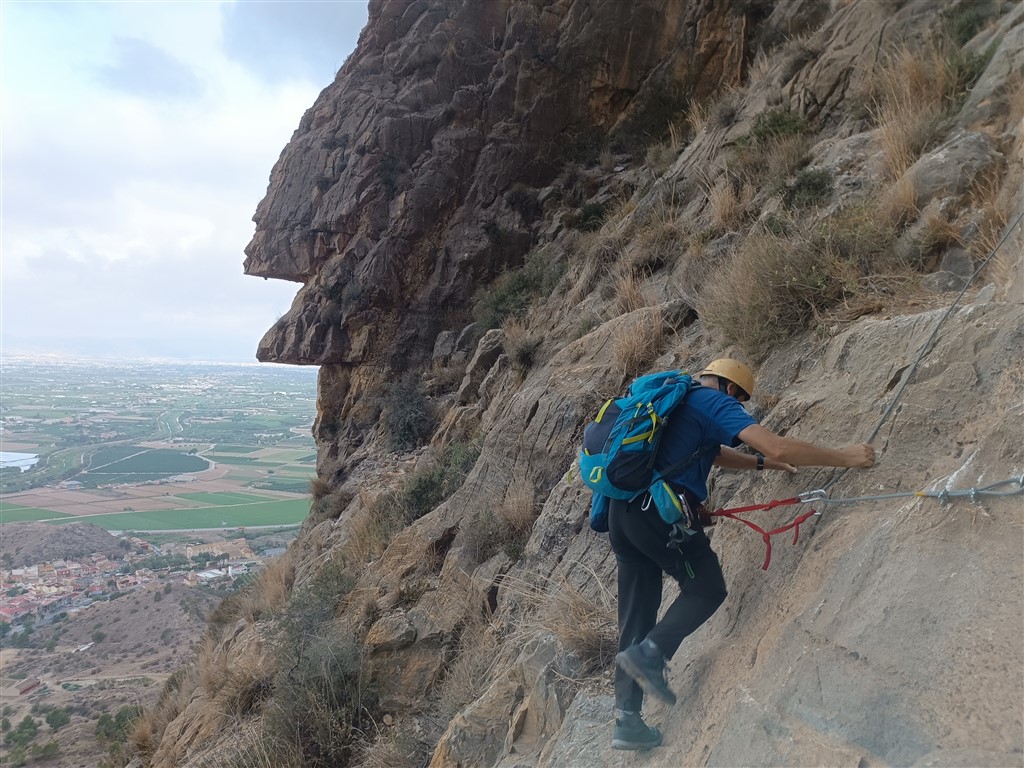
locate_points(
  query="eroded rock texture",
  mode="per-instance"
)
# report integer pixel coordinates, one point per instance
(413, 178)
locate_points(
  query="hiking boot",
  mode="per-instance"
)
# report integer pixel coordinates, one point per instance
(631, 732)
(648, 670)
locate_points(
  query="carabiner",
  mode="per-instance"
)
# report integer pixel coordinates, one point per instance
(819, 494)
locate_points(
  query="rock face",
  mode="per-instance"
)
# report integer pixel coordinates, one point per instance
(461, 140)
(414, 177)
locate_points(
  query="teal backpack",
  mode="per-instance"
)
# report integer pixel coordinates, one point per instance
(620, 447)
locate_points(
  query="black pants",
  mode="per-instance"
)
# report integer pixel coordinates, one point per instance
(639, 538)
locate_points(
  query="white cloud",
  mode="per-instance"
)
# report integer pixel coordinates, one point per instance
(134, 153)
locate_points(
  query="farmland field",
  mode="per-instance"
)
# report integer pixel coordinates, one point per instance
(272, 512)
(173, 445)
(218, 499)
(13, 513)
(147, 461)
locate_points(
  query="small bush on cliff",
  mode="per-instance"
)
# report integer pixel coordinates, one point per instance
(512, 292)
(780, 281)
(656, 108)
(406, 414)
(523, 200)
(638, 341)
(811, 187)
(588, 218)
(317, 702)
(777, 123)
(771, 289)
(521, 344)
(390, 512)
(912, 94)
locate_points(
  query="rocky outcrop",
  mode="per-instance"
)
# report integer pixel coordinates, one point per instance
(413, 179)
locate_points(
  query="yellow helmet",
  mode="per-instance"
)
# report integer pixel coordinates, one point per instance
(733, 370)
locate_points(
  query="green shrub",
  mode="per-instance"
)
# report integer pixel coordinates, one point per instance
(649, 121)
(812, 187)
(963, 23)
(428, 488)
(317, 699)
(777, 123)
(406, 413)
(512, 292)
(57, 718)
(423, 491)
(114, 729)
(771, 289)
(589, 217)
(523, 200)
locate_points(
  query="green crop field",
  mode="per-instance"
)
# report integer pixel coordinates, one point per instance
(283, 457)
(233, 459)
(15, 513)
(148, 461)
(114, 453)
(286, 484)
(241, 516)
(223, 499)
(236, 448)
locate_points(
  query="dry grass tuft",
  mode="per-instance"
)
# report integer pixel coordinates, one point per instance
(898, 204)
(788, 154)
(940, 232)
(144, 735)
(772, 287)
(600, 250)
(516, 516)
(639, 342)
(991, 200)
(247, 682)
(911, 94)
(789, 277)
(467, 677)
(660, 157)
(626, 290)
(371, 531)
(697, 117)
(318, 488)
(148, 729)
(729, 207)
(659, 240)
(521, 344)
(583, 622)
(275, 583)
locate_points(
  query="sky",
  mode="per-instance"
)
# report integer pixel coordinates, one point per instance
(136, 140)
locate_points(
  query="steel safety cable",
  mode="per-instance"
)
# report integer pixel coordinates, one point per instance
(926, 347)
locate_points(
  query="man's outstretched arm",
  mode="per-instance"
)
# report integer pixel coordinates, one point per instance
(789, 450)
(730, 459)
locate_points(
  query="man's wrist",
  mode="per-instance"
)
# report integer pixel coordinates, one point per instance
(760, 462)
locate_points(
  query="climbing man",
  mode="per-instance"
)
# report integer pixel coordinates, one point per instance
(709, 419)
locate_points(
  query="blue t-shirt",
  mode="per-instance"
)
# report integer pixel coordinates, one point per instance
(707, 420)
